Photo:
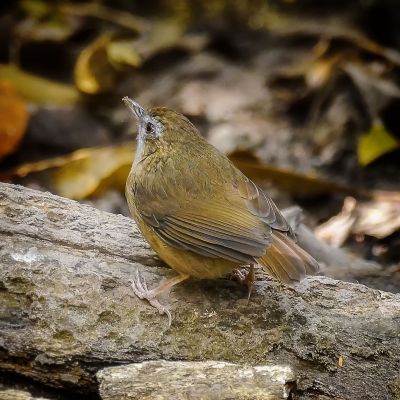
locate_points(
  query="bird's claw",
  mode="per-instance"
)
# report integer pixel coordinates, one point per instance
(238, 275)
(139, 287)
(245, 279)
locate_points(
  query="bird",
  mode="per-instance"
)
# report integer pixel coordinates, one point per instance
(201, 214)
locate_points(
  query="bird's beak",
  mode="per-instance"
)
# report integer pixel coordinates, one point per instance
(137, 109)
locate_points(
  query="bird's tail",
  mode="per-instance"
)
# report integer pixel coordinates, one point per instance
(287, 261)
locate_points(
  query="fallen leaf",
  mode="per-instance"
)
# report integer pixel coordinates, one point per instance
(375, 144)
(13, 118)
(290, 180)
(96, 69)
(122, 52)
(83, 173)
(337, 229)
(36, 89)
(377, 218)
(108, 167)
(93, 71)
(90, 170)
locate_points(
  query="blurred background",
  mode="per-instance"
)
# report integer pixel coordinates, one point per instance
(302, 95)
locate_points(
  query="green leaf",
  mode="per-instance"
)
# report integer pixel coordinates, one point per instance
(375, 144)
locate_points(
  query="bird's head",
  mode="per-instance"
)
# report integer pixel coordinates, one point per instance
(163, 131)
(149, 126)
(161, 125)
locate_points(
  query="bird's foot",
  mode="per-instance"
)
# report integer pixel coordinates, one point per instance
(245, 279)
(238, 275)
(139, 287)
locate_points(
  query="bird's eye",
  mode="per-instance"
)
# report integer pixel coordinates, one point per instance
(149, 127)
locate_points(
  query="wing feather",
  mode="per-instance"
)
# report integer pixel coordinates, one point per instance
(197, 243)
(262, 206)
(233, 221)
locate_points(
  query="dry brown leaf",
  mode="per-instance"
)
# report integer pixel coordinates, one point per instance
(290, 180)
(93, 169)
(36, 89)
(378, 218)
(13, 118)
(88, 169)
(96, 69)
(83, 173)
(93, 71)
(337, 229)
(67, 173)
(109, 167)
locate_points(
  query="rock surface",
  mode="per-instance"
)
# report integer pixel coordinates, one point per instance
(67, 312)
(211, 380)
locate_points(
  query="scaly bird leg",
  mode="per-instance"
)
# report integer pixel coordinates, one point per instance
(139, 287)
(247, 279)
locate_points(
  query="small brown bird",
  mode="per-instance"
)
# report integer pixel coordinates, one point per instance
(201, 215)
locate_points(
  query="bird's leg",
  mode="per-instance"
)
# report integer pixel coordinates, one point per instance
(247, 279)
(139, 287)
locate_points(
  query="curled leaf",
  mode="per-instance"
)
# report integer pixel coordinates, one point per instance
(93, 71)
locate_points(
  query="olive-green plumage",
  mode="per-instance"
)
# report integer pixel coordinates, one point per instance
(198, 211)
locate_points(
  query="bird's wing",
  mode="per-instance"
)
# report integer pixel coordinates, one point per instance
(235, 225)
(261, 205)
